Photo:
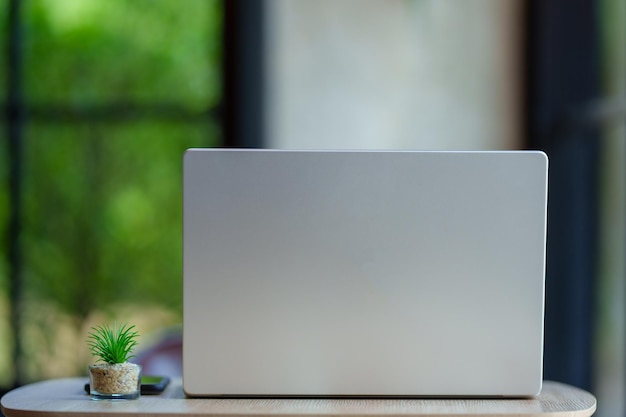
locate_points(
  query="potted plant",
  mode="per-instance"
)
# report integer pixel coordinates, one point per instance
(115, 378)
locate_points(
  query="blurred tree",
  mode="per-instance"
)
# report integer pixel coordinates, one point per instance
(85, 52)
(114, 93)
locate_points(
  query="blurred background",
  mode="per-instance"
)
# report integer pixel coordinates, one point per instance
(102, 97)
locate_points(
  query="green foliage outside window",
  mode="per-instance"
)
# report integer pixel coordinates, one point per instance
(102, 190)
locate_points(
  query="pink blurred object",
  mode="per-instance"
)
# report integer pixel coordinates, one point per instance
(165, 358)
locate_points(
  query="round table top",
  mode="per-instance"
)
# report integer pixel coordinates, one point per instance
(67, 397)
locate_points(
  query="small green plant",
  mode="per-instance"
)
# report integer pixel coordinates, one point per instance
(112, 344)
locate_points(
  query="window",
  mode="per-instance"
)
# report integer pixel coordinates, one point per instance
(104, 98)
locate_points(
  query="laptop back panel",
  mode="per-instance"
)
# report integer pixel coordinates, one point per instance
(323, 273)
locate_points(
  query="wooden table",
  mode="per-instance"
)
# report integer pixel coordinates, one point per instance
(65, 397)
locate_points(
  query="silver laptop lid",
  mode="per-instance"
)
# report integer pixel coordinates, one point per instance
(363, 273)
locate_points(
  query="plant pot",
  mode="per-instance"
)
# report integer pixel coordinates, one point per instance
(120, 381)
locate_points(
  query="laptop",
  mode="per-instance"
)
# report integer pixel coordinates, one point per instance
(363, 273)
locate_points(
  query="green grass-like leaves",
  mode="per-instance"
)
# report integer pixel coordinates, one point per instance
(112, 344)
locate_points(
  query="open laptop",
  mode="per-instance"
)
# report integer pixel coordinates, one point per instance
(363, 273)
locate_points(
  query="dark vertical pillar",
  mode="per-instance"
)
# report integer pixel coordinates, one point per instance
(562, 63)
(15, 121)
(244, 71)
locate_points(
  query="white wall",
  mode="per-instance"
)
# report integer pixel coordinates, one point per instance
(393, 74)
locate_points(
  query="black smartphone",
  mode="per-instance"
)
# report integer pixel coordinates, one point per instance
(150, 384)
